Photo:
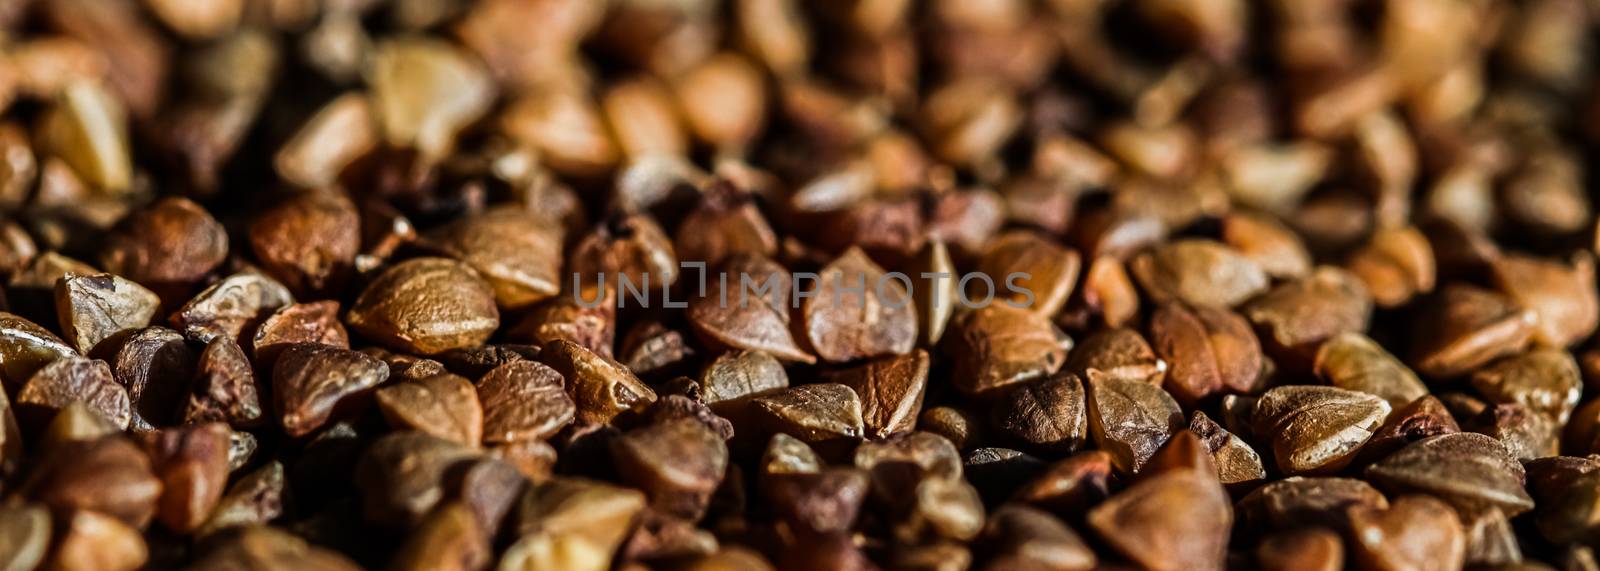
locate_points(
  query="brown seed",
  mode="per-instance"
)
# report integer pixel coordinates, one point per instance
(969, 119)
(1527, 434)
(407, 367)
(1546, 194)
(1238, 465)
(310, 381)
(490, 488)
(1117, 353)
(426, 306)
(91, 540)
(1545, 380)
(224, 387)
(776, 32)
(1174, 520)
(192, 464)
(1416, 532)
(1491, 540)
(891, 226)
(76, 422)
(24, 536)
(1048, 414)
(1183, 452)
(172, 241)
(156, 365)
(1298, 316)
(907, 459)
(475, 362)
(1210, 350)
(682, 403)
(1108, 290)
(1316, 429)
(444, 405)
(1198, 272)
(17, 248)
(255, 499)
(1353, 361)
(569, 523)
(109, 475)
(87, 128)
(309, 241)
(643, 117)
(959, 426)
(731, 381)
(998, 345)
(231, 306)
(1462, 405)
(726, 222)
(651, 348)
(94, 308)
(341, 132)
(630, 247)
(1579, 435)
(845, 323)
(788, 455)
(534, 459)
(315, 322)
(402, 476)
(1471, 471)
(1311, 549)
(1299, 501)
(942, 509)
(756, 318)
(523, 400)
(565, 126)
(723, 100)
(267, 544)
(678, 463)
(649, 182)
(1027, 538)
(1466, 327)
(600, 387)
(1420, 419)
(1131, 420)
(818, 502)
(533, 59)
(1051, 270)
(1563, 297)
(424, 91)
(1396, 265)
(450, 538)
(1267, 242)
(1564, 488)
(813, 413)
(65, 381)
(566, 317)
(1117, 234)
(517, 253)
(1070, 485)
(891, 391)
(19, 166)
(25, 348)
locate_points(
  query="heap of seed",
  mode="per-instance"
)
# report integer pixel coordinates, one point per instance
(432, 285)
